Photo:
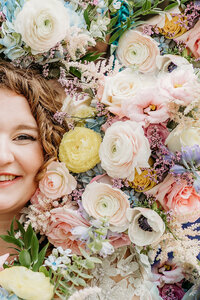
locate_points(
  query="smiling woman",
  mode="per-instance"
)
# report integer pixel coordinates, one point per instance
(28, 135)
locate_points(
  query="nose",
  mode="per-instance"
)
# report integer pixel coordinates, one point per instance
(6, 152)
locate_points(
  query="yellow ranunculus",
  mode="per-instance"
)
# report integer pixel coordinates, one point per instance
(142, 182)
(173, 27)
(26, 284)
(79, 149)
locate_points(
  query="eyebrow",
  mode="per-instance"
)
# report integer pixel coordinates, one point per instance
(28, 127)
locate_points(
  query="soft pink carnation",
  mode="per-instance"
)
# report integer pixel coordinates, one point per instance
(57, 181)
(63, 220)
(147, 106)
(181, 85)
(192, 39)
(176, 196)
(3, 258)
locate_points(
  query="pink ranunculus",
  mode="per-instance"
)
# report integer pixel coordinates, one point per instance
(176, 196)
(63, 220)
(57, 181)
(192, 39)
(160, 129)
(147, 106)
(3, 258)
(181, 86)
(171, 291)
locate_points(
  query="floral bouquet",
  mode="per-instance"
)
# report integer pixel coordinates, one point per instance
(118, 200)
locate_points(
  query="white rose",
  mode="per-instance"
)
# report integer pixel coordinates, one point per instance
(137, 49)
(26, 284)
(42, 24)
(183, 137)
(123, 149)
(146, 226)
(102, 200)
(78, 106)
(119, 88)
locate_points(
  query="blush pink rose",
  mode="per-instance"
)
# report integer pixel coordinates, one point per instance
(63, 220)
(147, 106)
(180, 86)
(178, 197)
(192, 39)
(57, 181)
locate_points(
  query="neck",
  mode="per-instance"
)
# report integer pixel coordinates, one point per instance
(5, 222)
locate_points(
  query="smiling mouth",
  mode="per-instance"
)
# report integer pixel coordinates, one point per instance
(6, 180)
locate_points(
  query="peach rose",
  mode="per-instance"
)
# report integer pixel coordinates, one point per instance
(137, 49)
(123, 149)
(102, 200)
(192, 39)
(178, 197)
(147, 106)
(146, 226)
(63, 220)
(57, 181)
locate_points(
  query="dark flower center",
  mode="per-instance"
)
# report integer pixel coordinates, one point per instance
(143, 224)
(171, 67)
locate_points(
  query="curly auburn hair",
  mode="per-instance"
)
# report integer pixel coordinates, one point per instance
(44, 99)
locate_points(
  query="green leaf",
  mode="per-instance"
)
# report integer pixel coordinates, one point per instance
(113, 22)
(28, 237)
(12, 233)
(25, 258)
(12, 240)
(34, 248)
(117, 34)
(75, 72)
(170, 6)
(87, 19)
(41, 256)
(146, 5)
(80, 281)
(44, 270)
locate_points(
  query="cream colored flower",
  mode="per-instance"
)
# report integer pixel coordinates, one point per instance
(137, 49)
(178, 138)
(42, 24)
(79, 149)
(119, 88)
(26, 284)
(146, 226)
(124, 149)
(102, 200)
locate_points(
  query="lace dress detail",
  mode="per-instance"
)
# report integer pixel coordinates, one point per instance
(120, 276)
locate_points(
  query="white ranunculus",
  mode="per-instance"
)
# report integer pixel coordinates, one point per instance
(101, 200)
(26, 284)
(183, 137)
(119, 88)
(146, 226)
(137, 49)
(42, 24)
(124, 149)
(164, 62)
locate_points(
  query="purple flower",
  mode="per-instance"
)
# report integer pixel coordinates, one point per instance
(191, 154)
(177, 169)
(171, 292)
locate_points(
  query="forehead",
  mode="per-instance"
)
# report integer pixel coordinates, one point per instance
(15, 107)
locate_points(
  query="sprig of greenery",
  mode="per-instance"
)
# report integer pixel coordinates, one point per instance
(28, 248)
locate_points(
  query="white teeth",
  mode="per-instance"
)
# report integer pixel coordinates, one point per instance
(7, 177)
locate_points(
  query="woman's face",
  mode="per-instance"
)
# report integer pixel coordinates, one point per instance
(21, 153)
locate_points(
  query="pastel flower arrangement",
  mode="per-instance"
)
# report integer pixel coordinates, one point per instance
(128, 172)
